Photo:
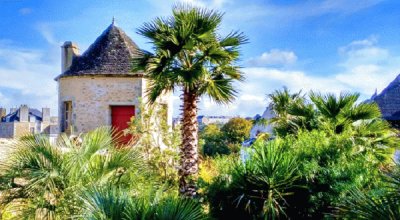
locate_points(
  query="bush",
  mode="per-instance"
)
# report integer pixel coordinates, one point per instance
(299, 177)
(257, 188)
(226, 140)
(237, 130)
(213, 141)
(114, 203)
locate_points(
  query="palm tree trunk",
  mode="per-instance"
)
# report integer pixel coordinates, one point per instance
(189, 152)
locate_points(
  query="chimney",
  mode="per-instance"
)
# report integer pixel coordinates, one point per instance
(69, 50)
(45, 114)
(23, 113)
(3, 113)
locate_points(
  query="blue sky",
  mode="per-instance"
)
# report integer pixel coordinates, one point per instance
(324, 45)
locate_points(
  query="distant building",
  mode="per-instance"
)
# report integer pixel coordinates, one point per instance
(25, 120)
(98, 88)
(262, 128)
(389, 102)
(206, 120)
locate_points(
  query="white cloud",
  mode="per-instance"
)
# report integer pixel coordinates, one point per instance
(365, 67)
(205, 3)
(27, 78)
(274, 57)
(47, 33)
(25, 11)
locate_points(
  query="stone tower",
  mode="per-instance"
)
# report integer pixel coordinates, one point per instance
(98, 87)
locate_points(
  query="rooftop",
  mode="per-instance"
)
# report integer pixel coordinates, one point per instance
(389, 100)
(14, 116)
(109, 55)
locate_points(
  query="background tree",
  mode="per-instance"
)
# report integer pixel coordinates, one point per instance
(235, 131)
(212, 141)
(191, 56)
(217, 140)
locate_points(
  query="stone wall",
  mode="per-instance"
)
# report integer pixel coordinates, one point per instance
(92, 97)
(6, 130)
(22, 128)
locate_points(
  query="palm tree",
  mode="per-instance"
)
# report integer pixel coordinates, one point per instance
(339, 112)
(282, 101)
(191, 56)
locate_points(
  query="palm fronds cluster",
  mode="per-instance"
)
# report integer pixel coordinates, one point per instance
(86, 177)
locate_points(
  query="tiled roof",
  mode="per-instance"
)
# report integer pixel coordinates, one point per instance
(13, 116)
(389, 100)
(109, 55)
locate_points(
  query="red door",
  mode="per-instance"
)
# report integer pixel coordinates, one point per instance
(120, 117)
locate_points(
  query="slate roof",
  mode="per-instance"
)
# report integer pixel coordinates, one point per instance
(389, 100)
(13, 116)
(109, 55)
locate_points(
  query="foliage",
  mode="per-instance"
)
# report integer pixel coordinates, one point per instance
(114, 203)
(191, 56)
(157, 142)
(329, 112)
(374, 204)
(334, 115)
(307, 175)
(227, 139)
(213, 141)
(237, 130)
(257, 188)
(44, 180)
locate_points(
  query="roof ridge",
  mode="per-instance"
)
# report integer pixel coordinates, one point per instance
(392, 84)
(109, 55)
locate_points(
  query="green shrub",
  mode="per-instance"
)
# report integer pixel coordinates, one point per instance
(259, 187)
(114, 203)
(225, 140)
(308, 175)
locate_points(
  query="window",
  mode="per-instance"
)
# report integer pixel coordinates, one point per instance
(32, 130)
(67, 113)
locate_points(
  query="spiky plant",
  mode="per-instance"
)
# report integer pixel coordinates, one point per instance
(191, 56)
(45, 180)
(258, 188)
(118, 204)
(372, 205)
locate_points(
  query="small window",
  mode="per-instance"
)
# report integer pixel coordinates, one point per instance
(32, 130)
(67, 113)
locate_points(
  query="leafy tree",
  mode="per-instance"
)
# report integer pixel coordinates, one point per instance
(191, 56)
(212, 141)
(339, 112)
(227, 139)
(237, 130)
